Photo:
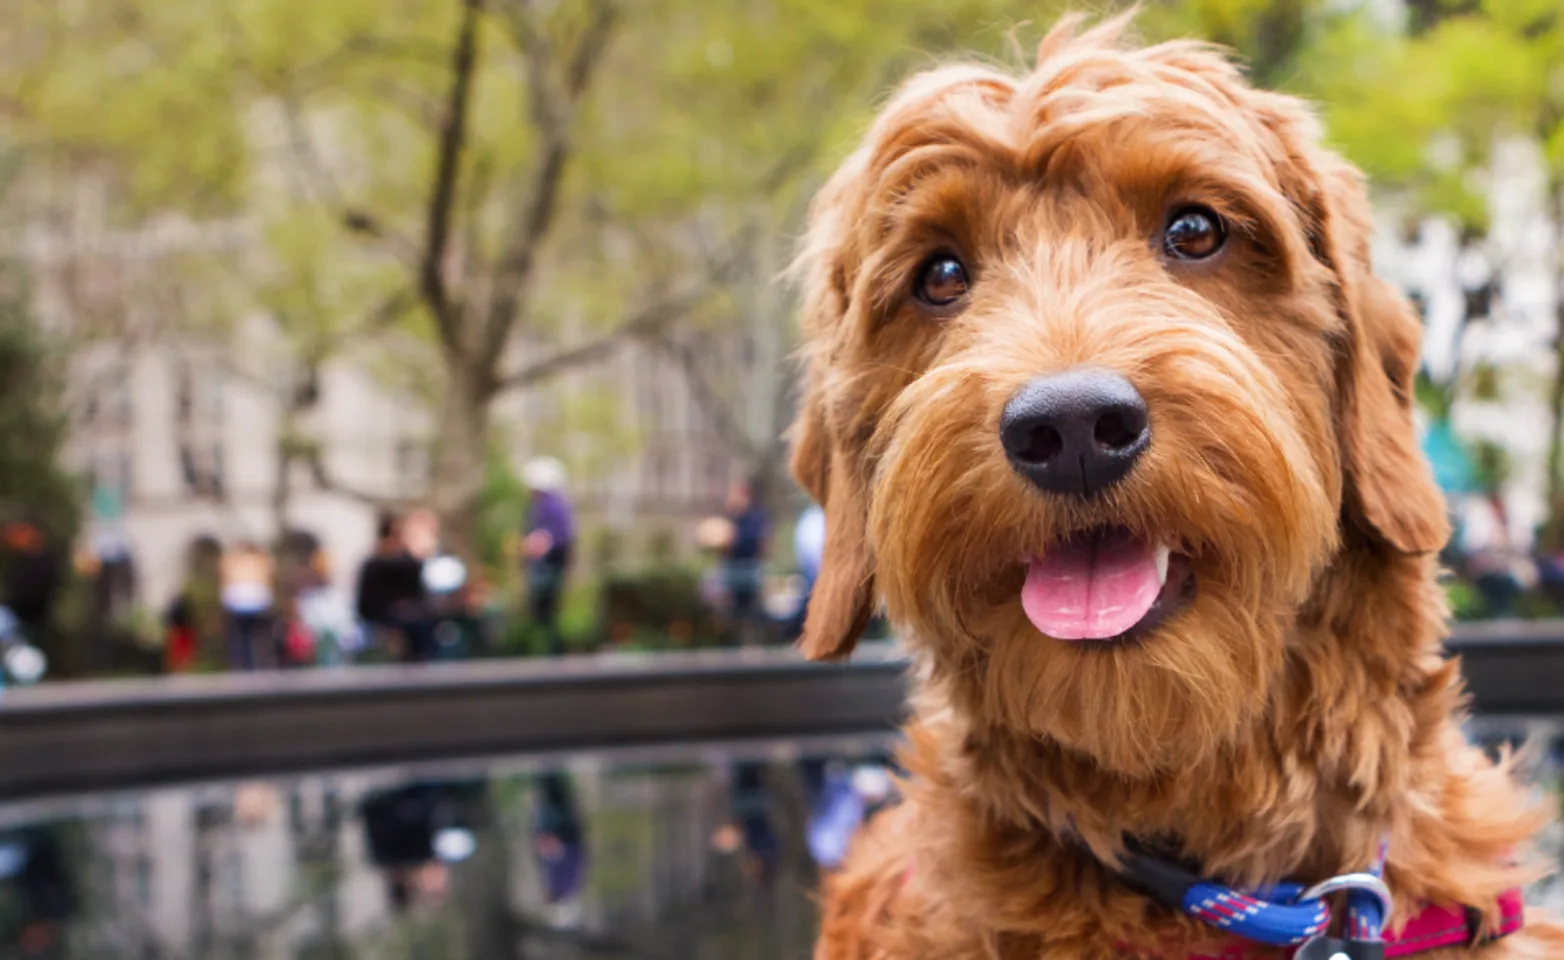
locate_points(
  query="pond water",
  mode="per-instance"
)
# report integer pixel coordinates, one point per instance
(705, 852)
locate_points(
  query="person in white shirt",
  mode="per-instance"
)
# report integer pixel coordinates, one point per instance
(808, 546)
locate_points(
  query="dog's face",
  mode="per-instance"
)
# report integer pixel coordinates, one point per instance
(1099, 383)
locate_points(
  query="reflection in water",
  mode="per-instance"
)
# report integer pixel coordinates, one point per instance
(685, 855)
(33, 862)
(559, 838)
(696, 854)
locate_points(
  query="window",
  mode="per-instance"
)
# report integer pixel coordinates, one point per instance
(198, 425)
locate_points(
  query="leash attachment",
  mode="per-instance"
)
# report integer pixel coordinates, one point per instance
(1368, 904)
(1335, 948)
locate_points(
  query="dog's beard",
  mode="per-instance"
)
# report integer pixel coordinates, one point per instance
(953, 527)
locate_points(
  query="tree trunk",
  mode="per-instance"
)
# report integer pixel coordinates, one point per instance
(460, 454)
(282, 483)
(1555, 484)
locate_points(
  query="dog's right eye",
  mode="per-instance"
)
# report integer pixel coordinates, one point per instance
(942, 281)
(1194, 233)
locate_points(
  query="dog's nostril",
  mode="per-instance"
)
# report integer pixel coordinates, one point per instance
(1042, 445)
(1117, 430)
(1075, 433)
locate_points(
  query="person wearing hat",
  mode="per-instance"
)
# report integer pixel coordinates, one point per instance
(550, 540)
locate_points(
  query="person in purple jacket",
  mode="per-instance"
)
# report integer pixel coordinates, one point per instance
(550, 540)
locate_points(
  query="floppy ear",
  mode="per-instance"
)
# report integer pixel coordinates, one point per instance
(1390, 491)
(842, 601)
(843, 597)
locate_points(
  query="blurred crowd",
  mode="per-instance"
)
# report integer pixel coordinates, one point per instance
(243, 605)
(1492, 571)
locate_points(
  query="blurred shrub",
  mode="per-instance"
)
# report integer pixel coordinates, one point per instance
(502, 506)
(1465, 603)
(660, 607)
(33, 484)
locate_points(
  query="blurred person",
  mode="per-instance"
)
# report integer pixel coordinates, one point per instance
(247, 595)
(421, 537)
(559, 840)
(331, 622)
(415, 831)
(301, 576)
(1490, 556)
(391, 598)
(179, 637)
(548, 545)
(31, 574)
(1548, 557)
(751, 831)
(448, 591)
(114, 585)
(421, 533)
(808, 547)
(194, 621)
(844, 796)
(34, 862)
(378, 578)
(742, 542)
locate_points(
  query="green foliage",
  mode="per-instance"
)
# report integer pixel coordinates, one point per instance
(318, 125)
(1421, 112)
(32, 422)
(502, 513)
(655, 608)
(1493, 465)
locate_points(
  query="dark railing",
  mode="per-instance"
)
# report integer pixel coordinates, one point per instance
(105, 735)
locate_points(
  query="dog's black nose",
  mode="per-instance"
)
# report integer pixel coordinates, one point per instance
(1077, 432)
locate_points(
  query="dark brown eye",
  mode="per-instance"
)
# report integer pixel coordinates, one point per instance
(1193, 233)
(942, 282)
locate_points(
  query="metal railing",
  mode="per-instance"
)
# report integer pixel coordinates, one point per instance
(81, 737)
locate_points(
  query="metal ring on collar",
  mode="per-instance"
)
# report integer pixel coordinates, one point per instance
(1366, 882)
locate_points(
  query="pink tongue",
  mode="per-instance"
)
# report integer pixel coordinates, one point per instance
(1091, 589)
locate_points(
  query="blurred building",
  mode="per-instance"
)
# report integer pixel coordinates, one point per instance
(180, 434)
(1489, 306)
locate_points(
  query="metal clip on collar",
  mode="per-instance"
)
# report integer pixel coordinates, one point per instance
(1335, 948)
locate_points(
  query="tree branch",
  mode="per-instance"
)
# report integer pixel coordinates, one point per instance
(453, 136)
(553, 111)
(641, 324)
(719, 412)
(302, 145)
(324, 189)
(324, 480)
(423, 111)
(644, 323)
(375, 321)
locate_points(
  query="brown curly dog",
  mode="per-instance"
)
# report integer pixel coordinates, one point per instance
(1106, 405)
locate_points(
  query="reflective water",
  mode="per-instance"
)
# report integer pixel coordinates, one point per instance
(706, 852)
(690, 853)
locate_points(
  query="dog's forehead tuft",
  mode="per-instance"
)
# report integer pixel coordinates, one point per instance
(975, 114)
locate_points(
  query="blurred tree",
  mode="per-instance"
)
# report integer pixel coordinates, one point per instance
(508, 188)
(33, 484)
(1423, 109)
(403, 167)
(1274, 37)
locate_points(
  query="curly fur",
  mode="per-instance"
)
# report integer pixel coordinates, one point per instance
(1301, 707)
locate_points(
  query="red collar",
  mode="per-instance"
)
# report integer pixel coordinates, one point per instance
(1433, 927)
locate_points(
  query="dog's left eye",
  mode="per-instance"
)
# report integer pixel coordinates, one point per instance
(942, 282)
(1193, 233)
